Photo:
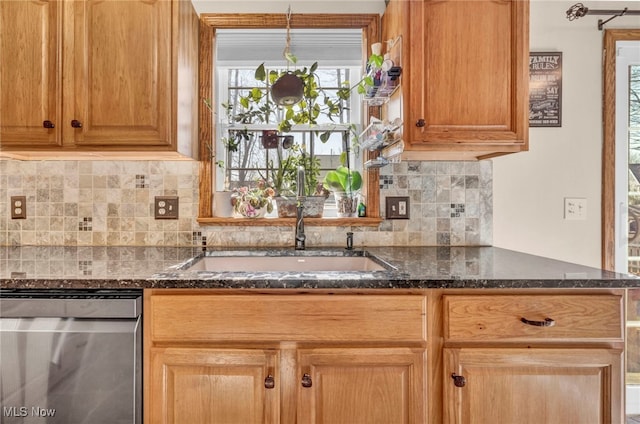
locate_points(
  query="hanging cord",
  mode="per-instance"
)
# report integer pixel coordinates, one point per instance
(287, 48)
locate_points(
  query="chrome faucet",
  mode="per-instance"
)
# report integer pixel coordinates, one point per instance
(299, 236)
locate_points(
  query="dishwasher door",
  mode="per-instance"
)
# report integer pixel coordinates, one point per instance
(69, 369)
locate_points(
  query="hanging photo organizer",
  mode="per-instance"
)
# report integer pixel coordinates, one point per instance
(383, 136)
(383, 79)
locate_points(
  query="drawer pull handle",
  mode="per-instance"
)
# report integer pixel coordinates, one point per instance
(269, 382)
(548, 322)
(458, 380)
(76, 124)
(306, 380)
(48, 124)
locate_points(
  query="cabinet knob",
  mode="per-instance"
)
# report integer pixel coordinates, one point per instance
(269, 382)
(548, 322)
(458, 380)
(420, 123)
(306, 380)
(48, 124)
(76, 124)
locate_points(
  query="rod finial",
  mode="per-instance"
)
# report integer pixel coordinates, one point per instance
(576, 11)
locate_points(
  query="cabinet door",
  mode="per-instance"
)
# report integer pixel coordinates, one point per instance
(365, 386)
(29, 71)
(205, 386)
(468, 75)
(119, 88)
(532, 386)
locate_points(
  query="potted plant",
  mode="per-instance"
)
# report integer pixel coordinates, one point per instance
(284, 178)
(252, 202)
(257, 108)
(345, 183)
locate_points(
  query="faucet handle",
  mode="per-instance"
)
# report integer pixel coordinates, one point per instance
(349, 240)
(300, 181)
(299, 234)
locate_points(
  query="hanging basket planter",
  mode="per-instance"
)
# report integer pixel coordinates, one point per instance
(270, 139)
(287, 90)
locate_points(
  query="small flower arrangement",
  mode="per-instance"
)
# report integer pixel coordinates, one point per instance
(252, 202)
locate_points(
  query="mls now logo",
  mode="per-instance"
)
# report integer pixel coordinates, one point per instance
(23, 411)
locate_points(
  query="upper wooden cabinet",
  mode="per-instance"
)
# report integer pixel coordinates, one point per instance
(98, 77)
(465, 76)
(30, 71)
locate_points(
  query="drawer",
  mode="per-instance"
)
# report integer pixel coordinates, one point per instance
(332, 318)
(554, 318)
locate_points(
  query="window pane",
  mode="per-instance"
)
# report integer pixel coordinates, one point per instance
(242, 122)
(633, 248)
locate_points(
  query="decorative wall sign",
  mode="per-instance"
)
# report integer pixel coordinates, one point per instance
(545, 89)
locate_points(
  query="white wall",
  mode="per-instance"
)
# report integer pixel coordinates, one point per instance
(529, 188)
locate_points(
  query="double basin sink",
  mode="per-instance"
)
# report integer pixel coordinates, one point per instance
(290, 261)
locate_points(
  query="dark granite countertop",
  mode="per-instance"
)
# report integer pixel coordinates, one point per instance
(60, 267)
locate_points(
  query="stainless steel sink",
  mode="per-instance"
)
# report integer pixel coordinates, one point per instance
(287, 263)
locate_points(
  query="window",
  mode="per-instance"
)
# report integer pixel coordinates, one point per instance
(247, 154)
(246, 163)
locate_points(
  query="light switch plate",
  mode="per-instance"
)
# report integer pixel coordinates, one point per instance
(397, 207)
(165, 207)
(18, 207)
(575, 208)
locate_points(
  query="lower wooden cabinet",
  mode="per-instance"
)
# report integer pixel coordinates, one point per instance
(368, 386)
(243, 386)
(551, 386)
(252, 359)
(383, 357)
(533, 357)
(205, 386)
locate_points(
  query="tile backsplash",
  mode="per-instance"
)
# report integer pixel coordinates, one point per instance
(110, 203)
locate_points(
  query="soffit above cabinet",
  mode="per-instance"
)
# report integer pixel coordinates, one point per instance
(325, 46)
(299, 6)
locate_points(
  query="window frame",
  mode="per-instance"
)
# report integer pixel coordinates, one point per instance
(609, 240)
(370, 26)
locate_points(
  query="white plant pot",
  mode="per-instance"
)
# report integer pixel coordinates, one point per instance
(222, 204)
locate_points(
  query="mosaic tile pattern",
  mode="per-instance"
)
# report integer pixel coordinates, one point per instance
(86, 224)
(451, 202)
(97, 203)
(109, 203)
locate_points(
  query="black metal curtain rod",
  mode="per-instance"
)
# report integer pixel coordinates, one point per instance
(579, 10)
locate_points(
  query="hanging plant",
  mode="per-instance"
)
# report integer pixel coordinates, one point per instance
(315, 102)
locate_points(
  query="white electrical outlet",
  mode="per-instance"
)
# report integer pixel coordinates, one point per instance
(575, 208)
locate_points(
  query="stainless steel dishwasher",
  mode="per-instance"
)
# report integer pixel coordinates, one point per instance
(70, 356)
